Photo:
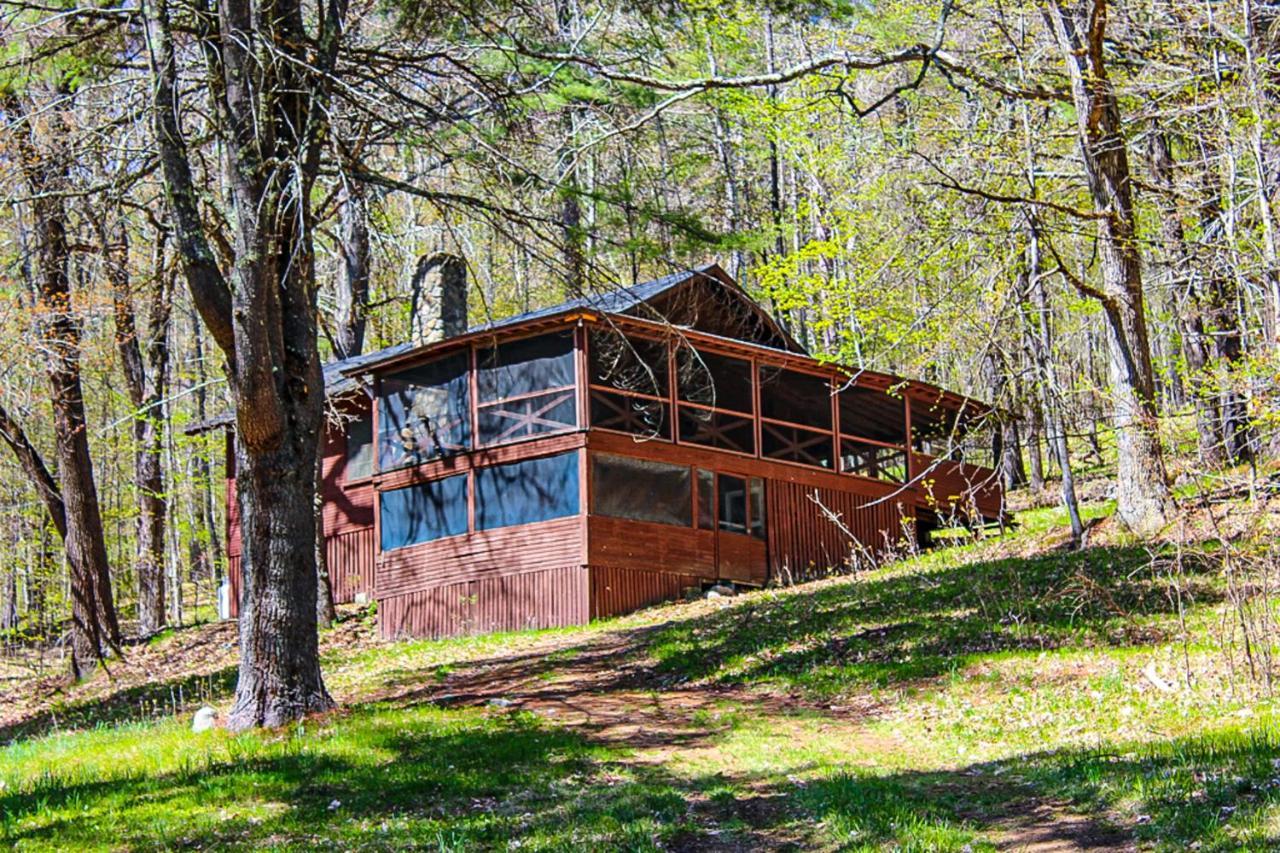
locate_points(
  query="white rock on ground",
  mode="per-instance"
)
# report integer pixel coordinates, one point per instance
(204, 719)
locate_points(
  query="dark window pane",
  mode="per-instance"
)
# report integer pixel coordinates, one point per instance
(359, 448)
(800, 398)
(424, 413)
(642, 490)
(872, 460)
(869, 413)
(628, 363)
(706, 500)
(793, 444)
(715, 429)
(537, 415)
(732, 496)
(525, 492)
(714, 380)
(525, 366)
(635, 415)
(756, 490)
(423, 512)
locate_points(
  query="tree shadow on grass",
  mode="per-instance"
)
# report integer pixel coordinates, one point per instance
(377, 777)
(392, 778)
(1215, 791)
(914, 626)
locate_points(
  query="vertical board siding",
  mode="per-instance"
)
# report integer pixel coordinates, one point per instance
(350, 558)
(541, 599)
(233, 575)
(619, 590)
(805, 542)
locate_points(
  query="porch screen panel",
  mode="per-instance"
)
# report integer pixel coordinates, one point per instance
(423, 512)
(359, 448)
(873, 460)
(424, 413)
(716, 400)
(526, 492)
(873, 434)
(714, 380)
(640, 490)
(629, 383)
(526, 387)
(872, 413)
(628, 363)
(795, 417)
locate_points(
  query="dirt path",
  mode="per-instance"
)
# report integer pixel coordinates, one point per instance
(606, 688)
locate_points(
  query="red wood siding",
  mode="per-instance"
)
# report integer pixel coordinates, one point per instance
(351, 559)
(957, 486)
(547, 598)
(620, 590)
(645, 546)
(487, 553)
(805, 542)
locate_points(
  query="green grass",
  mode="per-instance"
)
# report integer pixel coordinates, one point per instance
(379, 776)
(934, 704)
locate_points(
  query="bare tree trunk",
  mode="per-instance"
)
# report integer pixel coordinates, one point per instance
(351, 310)
(145, 363)
(1143, 501)
(204, 471)
(94, 620)
(326, 613)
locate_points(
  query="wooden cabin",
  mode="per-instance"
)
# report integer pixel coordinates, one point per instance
(608, 453)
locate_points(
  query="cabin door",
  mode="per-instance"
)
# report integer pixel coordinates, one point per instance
(741, 555)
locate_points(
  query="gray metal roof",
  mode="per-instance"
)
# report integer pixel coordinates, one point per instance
(340, 376)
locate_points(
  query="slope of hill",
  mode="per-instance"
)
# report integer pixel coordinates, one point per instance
(1001, 694)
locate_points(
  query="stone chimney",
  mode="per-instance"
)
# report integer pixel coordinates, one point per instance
(439, 298)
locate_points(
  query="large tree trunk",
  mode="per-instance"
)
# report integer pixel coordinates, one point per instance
(279, 655)
(1143, 501)
(262, 313)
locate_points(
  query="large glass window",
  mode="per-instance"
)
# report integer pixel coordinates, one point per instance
(525, 387)
(706, 499)
(641, 490)
(634, 370)
(423, 512)
(528, 491)
(755, 490)
(359, 448)
(424, 412)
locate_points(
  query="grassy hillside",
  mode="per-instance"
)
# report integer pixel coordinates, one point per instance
(1005, 693)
